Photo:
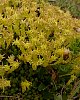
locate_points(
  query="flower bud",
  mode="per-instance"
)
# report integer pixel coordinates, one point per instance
(66, 54)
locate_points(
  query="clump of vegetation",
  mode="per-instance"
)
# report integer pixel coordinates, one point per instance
(39, 51)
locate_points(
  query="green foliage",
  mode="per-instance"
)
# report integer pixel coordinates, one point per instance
(75, 45)
(72, 5)
(39, 47)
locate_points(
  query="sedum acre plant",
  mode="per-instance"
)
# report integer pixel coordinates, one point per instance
(40, 34)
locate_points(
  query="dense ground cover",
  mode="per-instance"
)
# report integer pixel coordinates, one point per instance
(39, 52)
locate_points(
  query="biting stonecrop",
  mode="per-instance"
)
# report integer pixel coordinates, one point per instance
(40, 31)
